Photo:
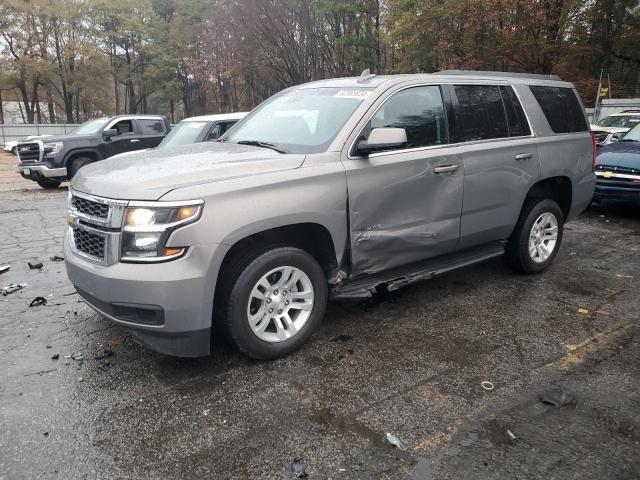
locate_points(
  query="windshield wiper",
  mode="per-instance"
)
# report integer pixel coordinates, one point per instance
(258, 143)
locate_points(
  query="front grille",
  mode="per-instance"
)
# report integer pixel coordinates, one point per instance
(90, 208)
(89, 243)
(616, 169)
(29, 152)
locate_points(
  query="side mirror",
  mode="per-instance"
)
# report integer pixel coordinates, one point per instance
(382, 139)
(111, 132)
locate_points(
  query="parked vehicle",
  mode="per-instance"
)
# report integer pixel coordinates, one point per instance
(611, 128)
(328, 189)
(55, 159)
(206, 128)
(12, 146)
(618, 169)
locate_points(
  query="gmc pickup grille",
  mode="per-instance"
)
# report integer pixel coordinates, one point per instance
(89, 243)
(29, 152)
(91, 208)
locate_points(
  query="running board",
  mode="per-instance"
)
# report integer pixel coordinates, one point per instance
(364, 286)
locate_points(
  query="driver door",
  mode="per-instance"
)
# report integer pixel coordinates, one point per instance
(126, 139)
(405, 204)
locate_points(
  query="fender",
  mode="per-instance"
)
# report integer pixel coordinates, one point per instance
(79, 151)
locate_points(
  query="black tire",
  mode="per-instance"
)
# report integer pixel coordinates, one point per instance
(517, 252)
(48, 183)
(239, 280)
(76, 164)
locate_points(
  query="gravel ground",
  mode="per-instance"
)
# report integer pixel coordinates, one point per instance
(409, 363)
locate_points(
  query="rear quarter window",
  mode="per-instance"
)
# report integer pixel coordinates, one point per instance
(562, 109)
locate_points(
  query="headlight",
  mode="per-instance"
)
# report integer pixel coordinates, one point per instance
(53, 147)
(147, 228)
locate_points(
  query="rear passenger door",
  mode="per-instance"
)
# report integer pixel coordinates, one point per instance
(151, 131)
(404, 204)
(500, 160)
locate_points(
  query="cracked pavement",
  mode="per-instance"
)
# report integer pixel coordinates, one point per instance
(409, 363)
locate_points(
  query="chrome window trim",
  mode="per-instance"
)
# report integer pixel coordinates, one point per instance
(133, 119)
(446, 145)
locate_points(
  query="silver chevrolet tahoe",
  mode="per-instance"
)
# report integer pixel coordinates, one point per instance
(334, 188)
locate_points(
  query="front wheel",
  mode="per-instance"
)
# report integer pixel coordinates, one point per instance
(48, 183)
(274, 303)
(537, 237)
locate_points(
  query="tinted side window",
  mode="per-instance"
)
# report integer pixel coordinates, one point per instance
(517, 121)
(562, 109)
(420, 111)
(123, 126)
(480, 114)
(215, 133)
(151, 127)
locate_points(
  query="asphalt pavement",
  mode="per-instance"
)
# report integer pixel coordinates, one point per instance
(80, 399)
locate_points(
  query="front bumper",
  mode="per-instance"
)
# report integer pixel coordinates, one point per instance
(168, 306)
(28, 170)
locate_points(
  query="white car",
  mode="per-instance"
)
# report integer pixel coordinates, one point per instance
(206, 128)
(612, 127)
(13, 145)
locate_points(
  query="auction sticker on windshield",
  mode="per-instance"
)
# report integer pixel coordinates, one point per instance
(353, 94)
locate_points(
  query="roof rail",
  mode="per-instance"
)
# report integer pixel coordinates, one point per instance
(632, 110)
(534, 76)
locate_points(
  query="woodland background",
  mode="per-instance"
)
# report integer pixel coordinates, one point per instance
(69, 60)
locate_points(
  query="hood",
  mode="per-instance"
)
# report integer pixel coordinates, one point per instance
(620, 154)
(598, 128)
(60, 138)
(150, 174)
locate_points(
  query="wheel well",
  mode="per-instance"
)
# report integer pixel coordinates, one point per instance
(555, 188)
(89, 154)
(310, 237)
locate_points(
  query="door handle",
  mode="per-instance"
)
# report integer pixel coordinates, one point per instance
(523, 156)
(446, 169)
(135, 140)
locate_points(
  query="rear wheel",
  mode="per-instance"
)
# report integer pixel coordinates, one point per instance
(47, 183)
(537, 237)
(76, 164)
(273, 301)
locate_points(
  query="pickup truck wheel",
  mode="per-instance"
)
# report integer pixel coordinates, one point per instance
(537, 237)
(76, 164)
(47, 183)
(275, 303)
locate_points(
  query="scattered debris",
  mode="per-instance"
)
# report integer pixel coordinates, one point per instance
(80, 379)
(393, 440)
(36, 302)
(298, 468)
(46, 434)
(75, 356)
(12, 288)
(557, 397)
(55, 356)
(56, 258)
(511, 435)
(623, 275)
(41, 372)
(105, 353)
(342, 338)
(488, 386)
(4, 268)
(603, 312)
(35, 264)
(583, 311)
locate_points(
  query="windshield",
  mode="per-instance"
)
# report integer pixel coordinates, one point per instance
(300, 121)
(622, 121)
(183, 134)
(92, 126)
(632, 135)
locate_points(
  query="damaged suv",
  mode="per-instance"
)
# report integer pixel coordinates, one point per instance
(328, 189)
